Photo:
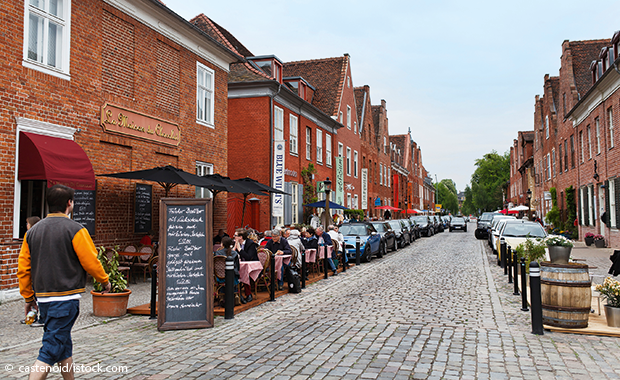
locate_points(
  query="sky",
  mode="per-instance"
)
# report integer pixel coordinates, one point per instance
(462, 75)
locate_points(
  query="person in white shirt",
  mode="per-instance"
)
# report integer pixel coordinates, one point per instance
(335, 234)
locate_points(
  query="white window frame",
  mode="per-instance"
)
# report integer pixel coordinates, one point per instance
(553, 161)
(340, 120)
(384, 144)
(355, 163)
(548, 167)
(547, 127)
(612, 203)
(349, 117)
(308, 143)
(328, 149)
(340, 150)
(381, 174)
(349, 205)
(610, 118)
(293, 127)
(278, 123)
(355, 127)
(294, 202)
(201, 90)
(598, 135)
(63, 69)
(203, 168)
(355, 202)
(589, 141)
(319, 146)
(348, 161)
(590, 205)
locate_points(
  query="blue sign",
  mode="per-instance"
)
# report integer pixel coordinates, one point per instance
(378, 201)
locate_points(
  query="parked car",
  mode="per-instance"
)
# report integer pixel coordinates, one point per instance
(413, 228)
(458, 223)
(370, 240)
(402, 233)
(388, 237)
(496, 225)
(438, 225)
(516, 231)
(446, 220)
(483, 225)
(425, 226)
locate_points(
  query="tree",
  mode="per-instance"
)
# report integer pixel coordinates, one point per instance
(468, 205)
(446, 195)
(489, 181)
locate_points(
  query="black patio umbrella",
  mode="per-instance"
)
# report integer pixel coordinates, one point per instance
(321, 204)
(168, 177)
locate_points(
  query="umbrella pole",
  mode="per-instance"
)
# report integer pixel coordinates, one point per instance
(245, 196)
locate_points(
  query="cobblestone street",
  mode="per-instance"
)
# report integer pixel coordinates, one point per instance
(438, 309)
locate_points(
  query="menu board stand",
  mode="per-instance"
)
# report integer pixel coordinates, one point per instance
(84, 209)
(143, 210)
(185, 265)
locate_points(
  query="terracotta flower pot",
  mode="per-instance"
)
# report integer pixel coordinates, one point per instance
(110, 304)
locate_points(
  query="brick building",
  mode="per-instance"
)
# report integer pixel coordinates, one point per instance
(101, 83)
(522, 176)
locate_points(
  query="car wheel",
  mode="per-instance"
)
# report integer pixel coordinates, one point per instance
(450, 229)
(477, 234)
(367, 254)
(382, 251)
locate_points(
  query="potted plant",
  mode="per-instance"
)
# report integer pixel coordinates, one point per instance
(559, 249)
(589, 238)
(114, 303)
(599, 241)
(531, 250)
(610, 290)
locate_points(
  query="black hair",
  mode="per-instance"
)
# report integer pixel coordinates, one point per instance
(57, 198)
(227, 243)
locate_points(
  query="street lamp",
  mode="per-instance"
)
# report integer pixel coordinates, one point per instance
(328, 189)
(529, 208)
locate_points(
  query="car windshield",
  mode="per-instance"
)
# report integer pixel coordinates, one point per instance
(421, 219)
(457, 221)
(380, 227)
(353, 229)
(523, 230)
(395, 224)
(487, 216)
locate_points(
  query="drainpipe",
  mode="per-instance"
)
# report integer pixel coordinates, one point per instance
(271, 139)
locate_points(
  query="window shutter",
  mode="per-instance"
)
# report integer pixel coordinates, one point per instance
(593, 216)
(617, 195)
(288, 215)
(300, 202)
(607, 202)
(579, 211)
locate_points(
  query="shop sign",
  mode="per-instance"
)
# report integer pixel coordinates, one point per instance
(377, 201)
(277, 200)
(364, 189)
(340, 180)
(116, 119)
(290, 173)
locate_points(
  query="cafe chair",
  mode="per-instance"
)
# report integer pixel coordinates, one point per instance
(216, 247)
(294, 256)
(109, 253)
(128, 260)
(264, 256)
(219, 280)
(142, 262)
(336, 253)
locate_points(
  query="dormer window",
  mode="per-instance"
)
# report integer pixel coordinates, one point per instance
(615, 41)
(270, 65)
(604, 63)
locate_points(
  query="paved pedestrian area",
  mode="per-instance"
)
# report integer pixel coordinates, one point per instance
(438, 309)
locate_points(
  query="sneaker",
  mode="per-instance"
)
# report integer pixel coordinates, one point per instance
(37, 323)
(23, 321)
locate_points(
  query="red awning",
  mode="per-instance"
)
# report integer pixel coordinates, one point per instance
(55, 160)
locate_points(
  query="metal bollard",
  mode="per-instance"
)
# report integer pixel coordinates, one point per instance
(535, 298)
(501, 259)
(303, 270)
(523, 287)
(515, 266)
(229, 289)
(509, 263)
(357, 251)
(274, 279)
(153, 292)
(345, 260)
(324, 249)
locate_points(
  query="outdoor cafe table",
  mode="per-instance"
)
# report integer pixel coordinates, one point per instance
(249, 269)
(311, 253)
(286, 259)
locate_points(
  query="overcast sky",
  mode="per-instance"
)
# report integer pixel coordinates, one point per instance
(461, 74)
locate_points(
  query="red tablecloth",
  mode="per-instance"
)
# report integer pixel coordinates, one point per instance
(286, 259)
(249, 269)
(311, 254)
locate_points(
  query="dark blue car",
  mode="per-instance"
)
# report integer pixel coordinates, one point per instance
(370, 240)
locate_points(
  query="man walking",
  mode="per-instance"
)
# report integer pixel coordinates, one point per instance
(55, 256)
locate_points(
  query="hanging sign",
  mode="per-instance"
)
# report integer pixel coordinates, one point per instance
(277, 200)
(364, 189)
(340, 180)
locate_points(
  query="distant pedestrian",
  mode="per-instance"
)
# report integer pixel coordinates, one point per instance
(53, 262)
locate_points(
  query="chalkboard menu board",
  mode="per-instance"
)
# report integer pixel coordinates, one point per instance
(185, 264)
(143, 211)
(84, 209)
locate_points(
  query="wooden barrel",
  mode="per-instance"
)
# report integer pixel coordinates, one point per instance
(566, 294)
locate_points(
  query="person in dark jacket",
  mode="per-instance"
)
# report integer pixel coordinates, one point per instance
(247, 250)
(279, 246)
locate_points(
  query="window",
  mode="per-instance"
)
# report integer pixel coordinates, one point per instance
(328, 149)
(572, 151)
(319, 145)
(202, 169)
(380, 174)
(389, 177)
(355, 158)
(545, 167)
(204, 103)
(340, 151)
(547, 126)
(348, 161)
(612, 203)
(278, 123)
(560, 157)
(349, 117)
(294, 202)
(598, 136)
(564, 103)
(355, 127)
(589, 142)
(610, 121)
(581, 157)
(308, 143)
(384, 145)
(47, 36)
(565, 155)
(590, 205)
(355, 203)
(553, 161)
(376, 173)
(293, 131)
(349, 205)
(340, 120)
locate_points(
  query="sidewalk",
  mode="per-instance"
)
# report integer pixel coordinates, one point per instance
(596, 258)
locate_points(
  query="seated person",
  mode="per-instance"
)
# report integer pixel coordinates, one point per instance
(265, 239)
(217, 239)
(279, 246)
(227, 251)
(295, 241)
(309, 239)
(327, 240)
(148, 238)
(247, 250)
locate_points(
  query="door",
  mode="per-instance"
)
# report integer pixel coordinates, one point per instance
(601, 208)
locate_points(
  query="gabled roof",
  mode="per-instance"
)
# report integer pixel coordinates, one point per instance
(583, 53)
(528, 136)
(359, 103)
(327, 75)
(555, 92)
(220, 34)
